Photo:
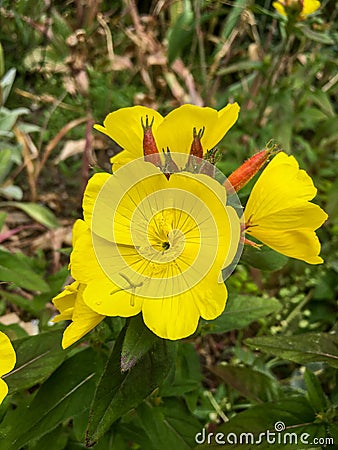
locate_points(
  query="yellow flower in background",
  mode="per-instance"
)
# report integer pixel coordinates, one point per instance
(298, 9)
(7, 362)
(155, 245)
(139, 130)
(279, 212)
(72, 307)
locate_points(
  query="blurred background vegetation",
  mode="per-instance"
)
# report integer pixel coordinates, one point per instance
(64, 65)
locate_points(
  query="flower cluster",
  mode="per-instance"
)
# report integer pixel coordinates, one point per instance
(161, 232)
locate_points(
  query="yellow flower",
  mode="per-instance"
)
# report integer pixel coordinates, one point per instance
(157, 245)
(72, 307)
(279, 213)
(7, 362)
(175, 132)
(298, 9)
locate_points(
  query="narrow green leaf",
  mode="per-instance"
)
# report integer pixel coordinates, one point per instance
(315, 393)
(37, 357)
(6, 84)
(16, 268)
(3, 216)
(39, 213)
(233, 17)
(316, 36)
(264, 259)
(240, 311)
(250, 383)
(180, 33)
(137, 342)
(118, 392)
(5, 163)
(65, 394)
(304, 348)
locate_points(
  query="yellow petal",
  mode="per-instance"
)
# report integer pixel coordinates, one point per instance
(300, 243)
(92, 191)
(3, 390)
(176, 130)
(279, 213)
(65, 302)
(122, 159)
(83, 262)
(79, 228)
(107, 298)
(84, 320)
(172, 318)
(118, 198)
(281, 185)
(300, 215)
(280, 8)
(310, 6)
(211, 299)
(7, 354)
(124, 126)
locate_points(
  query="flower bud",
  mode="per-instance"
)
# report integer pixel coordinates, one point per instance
(150, 152)
(241, 176)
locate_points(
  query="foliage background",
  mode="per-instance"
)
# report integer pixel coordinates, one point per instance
(273, 354)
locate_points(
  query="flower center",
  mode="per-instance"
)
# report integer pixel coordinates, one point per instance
(166, 239)
(165, 246)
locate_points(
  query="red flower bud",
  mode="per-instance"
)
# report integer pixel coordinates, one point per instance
(196, 146)
(241, 176)
(169, 165)
(150, 151)
(196, 151)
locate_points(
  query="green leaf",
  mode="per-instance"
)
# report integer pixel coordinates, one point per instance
(187, 372)
(118, 392)
(264, 259)
(180, 33)
(55, 440)
(315, 393)
(316, 36)
(172, 424)
(240, 311)
(16, 268)
(233, 17)
(12, 192)
(8, 117)
(250, 383)
(5, 163)
(3, 216)
(304, 348)
(65, 394)
(137, 342)
(6, 84)
(39, 213)
(245, 430)
(37, 357)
